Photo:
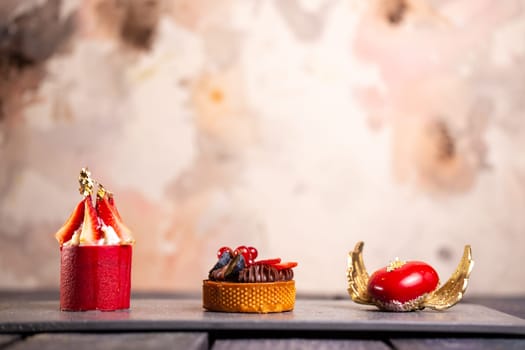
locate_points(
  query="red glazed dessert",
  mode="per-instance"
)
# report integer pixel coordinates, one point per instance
(406, 286)
(402, 283)
(95, 254)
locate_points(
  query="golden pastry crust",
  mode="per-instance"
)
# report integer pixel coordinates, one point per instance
(248, 297)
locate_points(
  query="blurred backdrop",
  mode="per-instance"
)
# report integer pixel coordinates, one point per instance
(296, 126)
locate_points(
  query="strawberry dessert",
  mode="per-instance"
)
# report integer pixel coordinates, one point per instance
(240, 283)
(95, 253)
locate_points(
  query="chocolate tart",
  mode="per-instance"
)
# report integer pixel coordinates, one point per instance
(239, 283)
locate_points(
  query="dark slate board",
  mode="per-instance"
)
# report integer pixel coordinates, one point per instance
(309, 315)
(7, 339)
(303, 344)
(459, 343)
(106, 341)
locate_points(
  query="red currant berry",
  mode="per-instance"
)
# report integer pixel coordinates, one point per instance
(253, 252)
(242, 249)
(222, 250)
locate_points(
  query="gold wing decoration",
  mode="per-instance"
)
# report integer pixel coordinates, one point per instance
(451, 292)
(357, 276)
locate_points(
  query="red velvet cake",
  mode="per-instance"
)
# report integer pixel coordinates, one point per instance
(95, 253)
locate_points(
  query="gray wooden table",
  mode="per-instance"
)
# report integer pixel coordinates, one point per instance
(33, 321)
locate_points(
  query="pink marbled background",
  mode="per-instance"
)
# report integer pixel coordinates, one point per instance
(299, 127)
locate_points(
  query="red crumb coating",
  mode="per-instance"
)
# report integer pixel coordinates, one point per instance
(95, 277)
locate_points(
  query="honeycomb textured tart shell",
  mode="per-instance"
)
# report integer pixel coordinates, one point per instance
(248, 297)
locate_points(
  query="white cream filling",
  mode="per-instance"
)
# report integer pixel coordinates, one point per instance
(110, 238)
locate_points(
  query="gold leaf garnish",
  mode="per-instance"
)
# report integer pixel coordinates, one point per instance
(396, 264)
(101, 192)
(86, 182)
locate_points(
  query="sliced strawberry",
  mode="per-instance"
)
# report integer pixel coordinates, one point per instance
(109, 214)
(90, 228)
(111, 201)
(72, 224)
(274, 261)
(285, 265)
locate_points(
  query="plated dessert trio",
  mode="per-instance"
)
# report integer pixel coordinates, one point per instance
(95, 270)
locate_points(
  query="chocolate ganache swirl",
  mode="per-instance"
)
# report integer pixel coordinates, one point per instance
(264, 273)
(252, 274)
(233, 266)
